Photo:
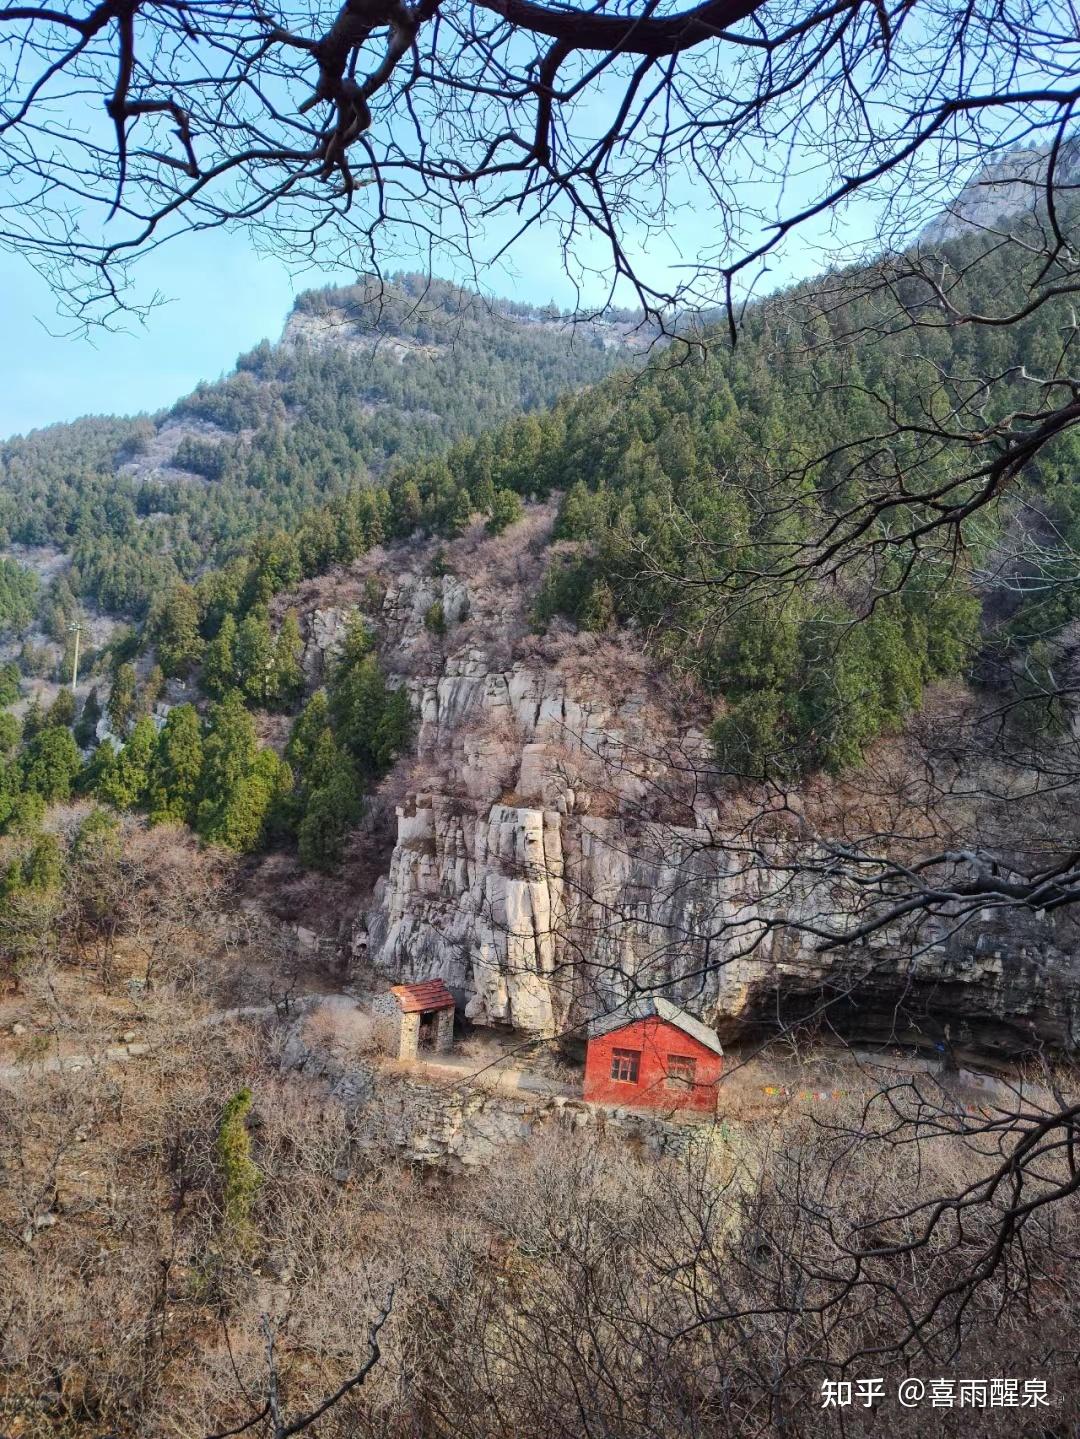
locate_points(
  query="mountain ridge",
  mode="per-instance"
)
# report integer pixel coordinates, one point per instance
(146, 501)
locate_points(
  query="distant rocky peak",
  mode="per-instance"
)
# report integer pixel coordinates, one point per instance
(1013, 184)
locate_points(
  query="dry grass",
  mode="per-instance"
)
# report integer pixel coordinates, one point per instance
(575, 1286)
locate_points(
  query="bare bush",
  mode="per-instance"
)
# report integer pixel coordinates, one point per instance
(575, 1286)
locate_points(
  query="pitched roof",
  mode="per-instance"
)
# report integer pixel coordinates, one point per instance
(655, 1007)
(419, 998)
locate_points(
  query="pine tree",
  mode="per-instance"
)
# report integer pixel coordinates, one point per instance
(275, 779)
(31, 888)
(275, 566)
(247, 811)
(33, 718)
(240, 1177)
(10, 683)
(288, 674)
(458, 513)
(506, 510)
(219, 594)
(219, 673)
(255, 657)
(357, 702)
(98, 767)
(50, 764)
(372, 722)
(174, 779)
(317, 540)
(228, 749)
(394, 729)
(407, 508)
(62, 709)
(307, 731)
(10, 732)
(122, 700)
(242, 787)
(324, 760)
(330, 811)
(124, 785)
(10, 788)
(751, 741)
(174, 629)
(43, 867)
(27, 812)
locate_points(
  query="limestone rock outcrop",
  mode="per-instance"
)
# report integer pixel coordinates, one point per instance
(326, 631)
(551, 856)
(540, 920)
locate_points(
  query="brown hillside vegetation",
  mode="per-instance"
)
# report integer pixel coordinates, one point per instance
(155, 1230)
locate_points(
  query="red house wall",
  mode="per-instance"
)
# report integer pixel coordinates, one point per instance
(656, 1040)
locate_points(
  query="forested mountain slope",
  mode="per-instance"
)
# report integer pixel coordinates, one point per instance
(672, 486)
(359, 381)
(687, 485)
(507, 702)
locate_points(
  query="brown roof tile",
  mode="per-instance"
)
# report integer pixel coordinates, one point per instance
(419, 998)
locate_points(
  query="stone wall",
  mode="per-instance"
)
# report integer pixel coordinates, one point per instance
(387, 1027)
(444, 1031)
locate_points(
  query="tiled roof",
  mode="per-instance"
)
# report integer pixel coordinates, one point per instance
(655, 1007)
(419, 998)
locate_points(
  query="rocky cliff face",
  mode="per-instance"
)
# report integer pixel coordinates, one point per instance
(540, 919)
(331, 329)
(556, 847)
(1013, 185)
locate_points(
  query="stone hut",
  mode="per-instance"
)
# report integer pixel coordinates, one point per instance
(412, 1018)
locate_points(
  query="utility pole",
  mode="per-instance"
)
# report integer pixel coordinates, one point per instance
(76, 629)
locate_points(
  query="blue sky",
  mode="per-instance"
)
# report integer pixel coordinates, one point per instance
(223, 298)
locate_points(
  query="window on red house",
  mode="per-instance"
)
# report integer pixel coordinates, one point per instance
(681, 1070)
(624, 1065)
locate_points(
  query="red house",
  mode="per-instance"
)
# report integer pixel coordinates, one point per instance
(651, 1054)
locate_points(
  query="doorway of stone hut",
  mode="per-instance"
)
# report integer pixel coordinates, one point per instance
(429, 1029)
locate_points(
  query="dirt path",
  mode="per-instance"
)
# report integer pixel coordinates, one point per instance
(123, 1053)
(753, 1080)
(496, 1074)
